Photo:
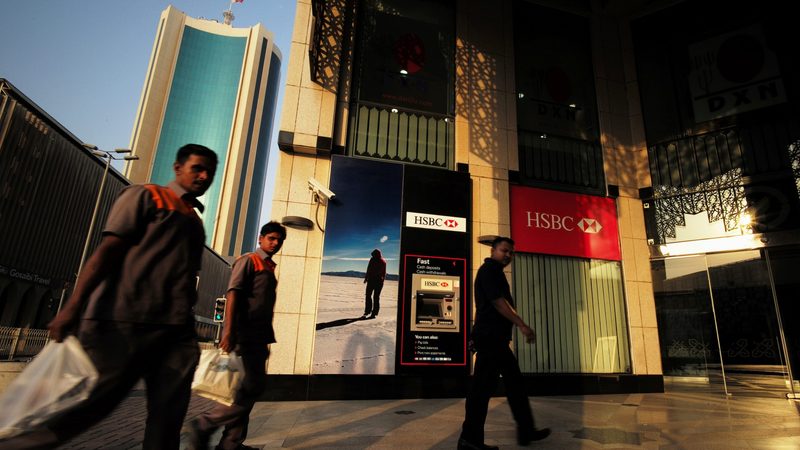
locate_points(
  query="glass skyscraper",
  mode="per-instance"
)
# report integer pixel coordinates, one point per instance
(211, 84)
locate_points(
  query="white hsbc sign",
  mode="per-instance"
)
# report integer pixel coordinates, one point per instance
(557, 222)
(434, 222)
(438, 284)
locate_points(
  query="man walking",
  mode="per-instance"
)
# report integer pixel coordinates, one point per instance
(376, 274)
(140, 285)
(491, 335)
(247, 328)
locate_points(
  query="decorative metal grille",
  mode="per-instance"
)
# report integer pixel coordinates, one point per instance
(712, 172)
(410, 137)
(325, 51)
(722, 197)
(794, 157)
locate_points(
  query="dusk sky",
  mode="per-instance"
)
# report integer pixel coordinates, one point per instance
(84, 62)
(364, 189)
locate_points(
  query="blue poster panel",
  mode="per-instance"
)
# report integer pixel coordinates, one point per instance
(356, 326)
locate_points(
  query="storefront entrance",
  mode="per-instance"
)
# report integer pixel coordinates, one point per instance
(720, 322)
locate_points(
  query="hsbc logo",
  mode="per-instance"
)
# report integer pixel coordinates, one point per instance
(436, 222)
(589, 226)
(547, 221)
(438, 284)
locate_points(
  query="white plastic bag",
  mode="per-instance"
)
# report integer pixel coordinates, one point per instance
(218, 376)
(59, 378)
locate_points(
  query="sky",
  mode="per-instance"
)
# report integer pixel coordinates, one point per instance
(349, 237)
(84, 62)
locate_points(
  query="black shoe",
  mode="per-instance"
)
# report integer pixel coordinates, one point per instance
(372, 316)
(527, 437)
(198, 439)
(464, 444)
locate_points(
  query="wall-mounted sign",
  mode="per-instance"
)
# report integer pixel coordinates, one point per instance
(733, 73)
(562, 223)
(436, 222)
(434, 302)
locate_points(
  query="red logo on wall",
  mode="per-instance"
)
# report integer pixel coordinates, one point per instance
(560, 223)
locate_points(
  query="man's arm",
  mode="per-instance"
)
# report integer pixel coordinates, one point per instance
(228, 340)
(108, 256)
(504, 308)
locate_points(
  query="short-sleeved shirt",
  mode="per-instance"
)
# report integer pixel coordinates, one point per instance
(253, 276)
(157, 280)
(491, 284)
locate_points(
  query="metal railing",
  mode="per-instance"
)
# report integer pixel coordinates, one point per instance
(406, 136)
(25, 343)
(21, 343)
(560, 161)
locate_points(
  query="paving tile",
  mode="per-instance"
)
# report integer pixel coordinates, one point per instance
(678, 420)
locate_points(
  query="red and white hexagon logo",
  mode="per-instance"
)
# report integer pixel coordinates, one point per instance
(589, 226)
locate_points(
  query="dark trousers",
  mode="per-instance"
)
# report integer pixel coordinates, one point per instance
(491, 361)
(165, 356)
(372, 304)
(236, 417)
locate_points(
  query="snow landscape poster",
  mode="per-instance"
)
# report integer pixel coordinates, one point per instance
(365, 216)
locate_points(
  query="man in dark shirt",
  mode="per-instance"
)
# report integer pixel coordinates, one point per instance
(376, 274)
(140, 285)
(491, 335)
(247, 328)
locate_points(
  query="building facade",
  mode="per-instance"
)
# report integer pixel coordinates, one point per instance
(215, 85)
(649, 176)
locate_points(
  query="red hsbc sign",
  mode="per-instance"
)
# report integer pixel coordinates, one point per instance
(560, 223)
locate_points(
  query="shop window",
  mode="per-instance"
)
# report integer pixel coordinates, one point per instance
(403, 82)
(558, 135)
(577, 309)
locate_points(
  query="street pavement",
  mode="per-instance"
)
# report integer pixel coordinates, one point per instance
(679, 420)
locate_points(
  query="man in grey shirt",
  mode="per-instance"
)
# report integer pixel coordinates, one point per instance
(247, 328)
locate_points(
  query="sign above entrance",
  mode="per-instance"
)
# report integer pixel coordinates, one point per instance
(561, 223)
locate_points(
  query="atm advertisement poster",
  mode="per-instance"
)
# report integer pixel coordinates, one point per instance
(434, 311)
(364, 217)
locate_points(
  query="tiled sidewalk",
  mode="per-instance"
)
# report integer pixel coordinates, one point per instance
(650, 421)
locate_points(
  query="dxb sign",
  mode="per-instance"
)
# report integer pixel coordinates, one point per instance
(560, 223)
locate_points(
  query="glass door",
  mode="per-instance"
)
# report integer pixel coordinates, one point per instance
(783, 264)
(719, 327)
(687, 330)
(750, 342)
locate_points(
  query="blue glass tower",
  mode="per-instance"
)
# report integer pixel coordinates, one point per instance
(215, 85)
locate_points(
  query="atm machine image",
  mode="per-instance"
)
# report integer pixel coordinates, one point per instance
(435, 303)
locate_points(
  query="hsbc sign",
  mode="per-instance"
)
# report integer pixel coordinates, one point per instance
(435, 222)
(566, 223)
(560, 223)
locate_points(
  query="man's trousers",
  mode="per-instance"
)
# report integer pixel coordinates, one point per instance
(492, 360)
(236, 417)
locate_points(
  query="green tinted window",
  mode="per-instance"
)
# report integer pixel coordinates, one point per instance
(200, 107)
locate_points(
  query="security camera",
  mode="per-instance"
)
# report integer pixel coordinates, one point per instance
(320, 191)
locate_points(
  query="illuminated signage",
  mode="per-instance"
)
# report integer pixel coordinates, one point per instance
(561, 223)
(435, 222)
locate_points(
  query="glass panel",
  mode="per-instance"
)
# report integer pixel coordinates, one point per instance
(749, 336)
(689, 351)
(577, 309)
(783, 264)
